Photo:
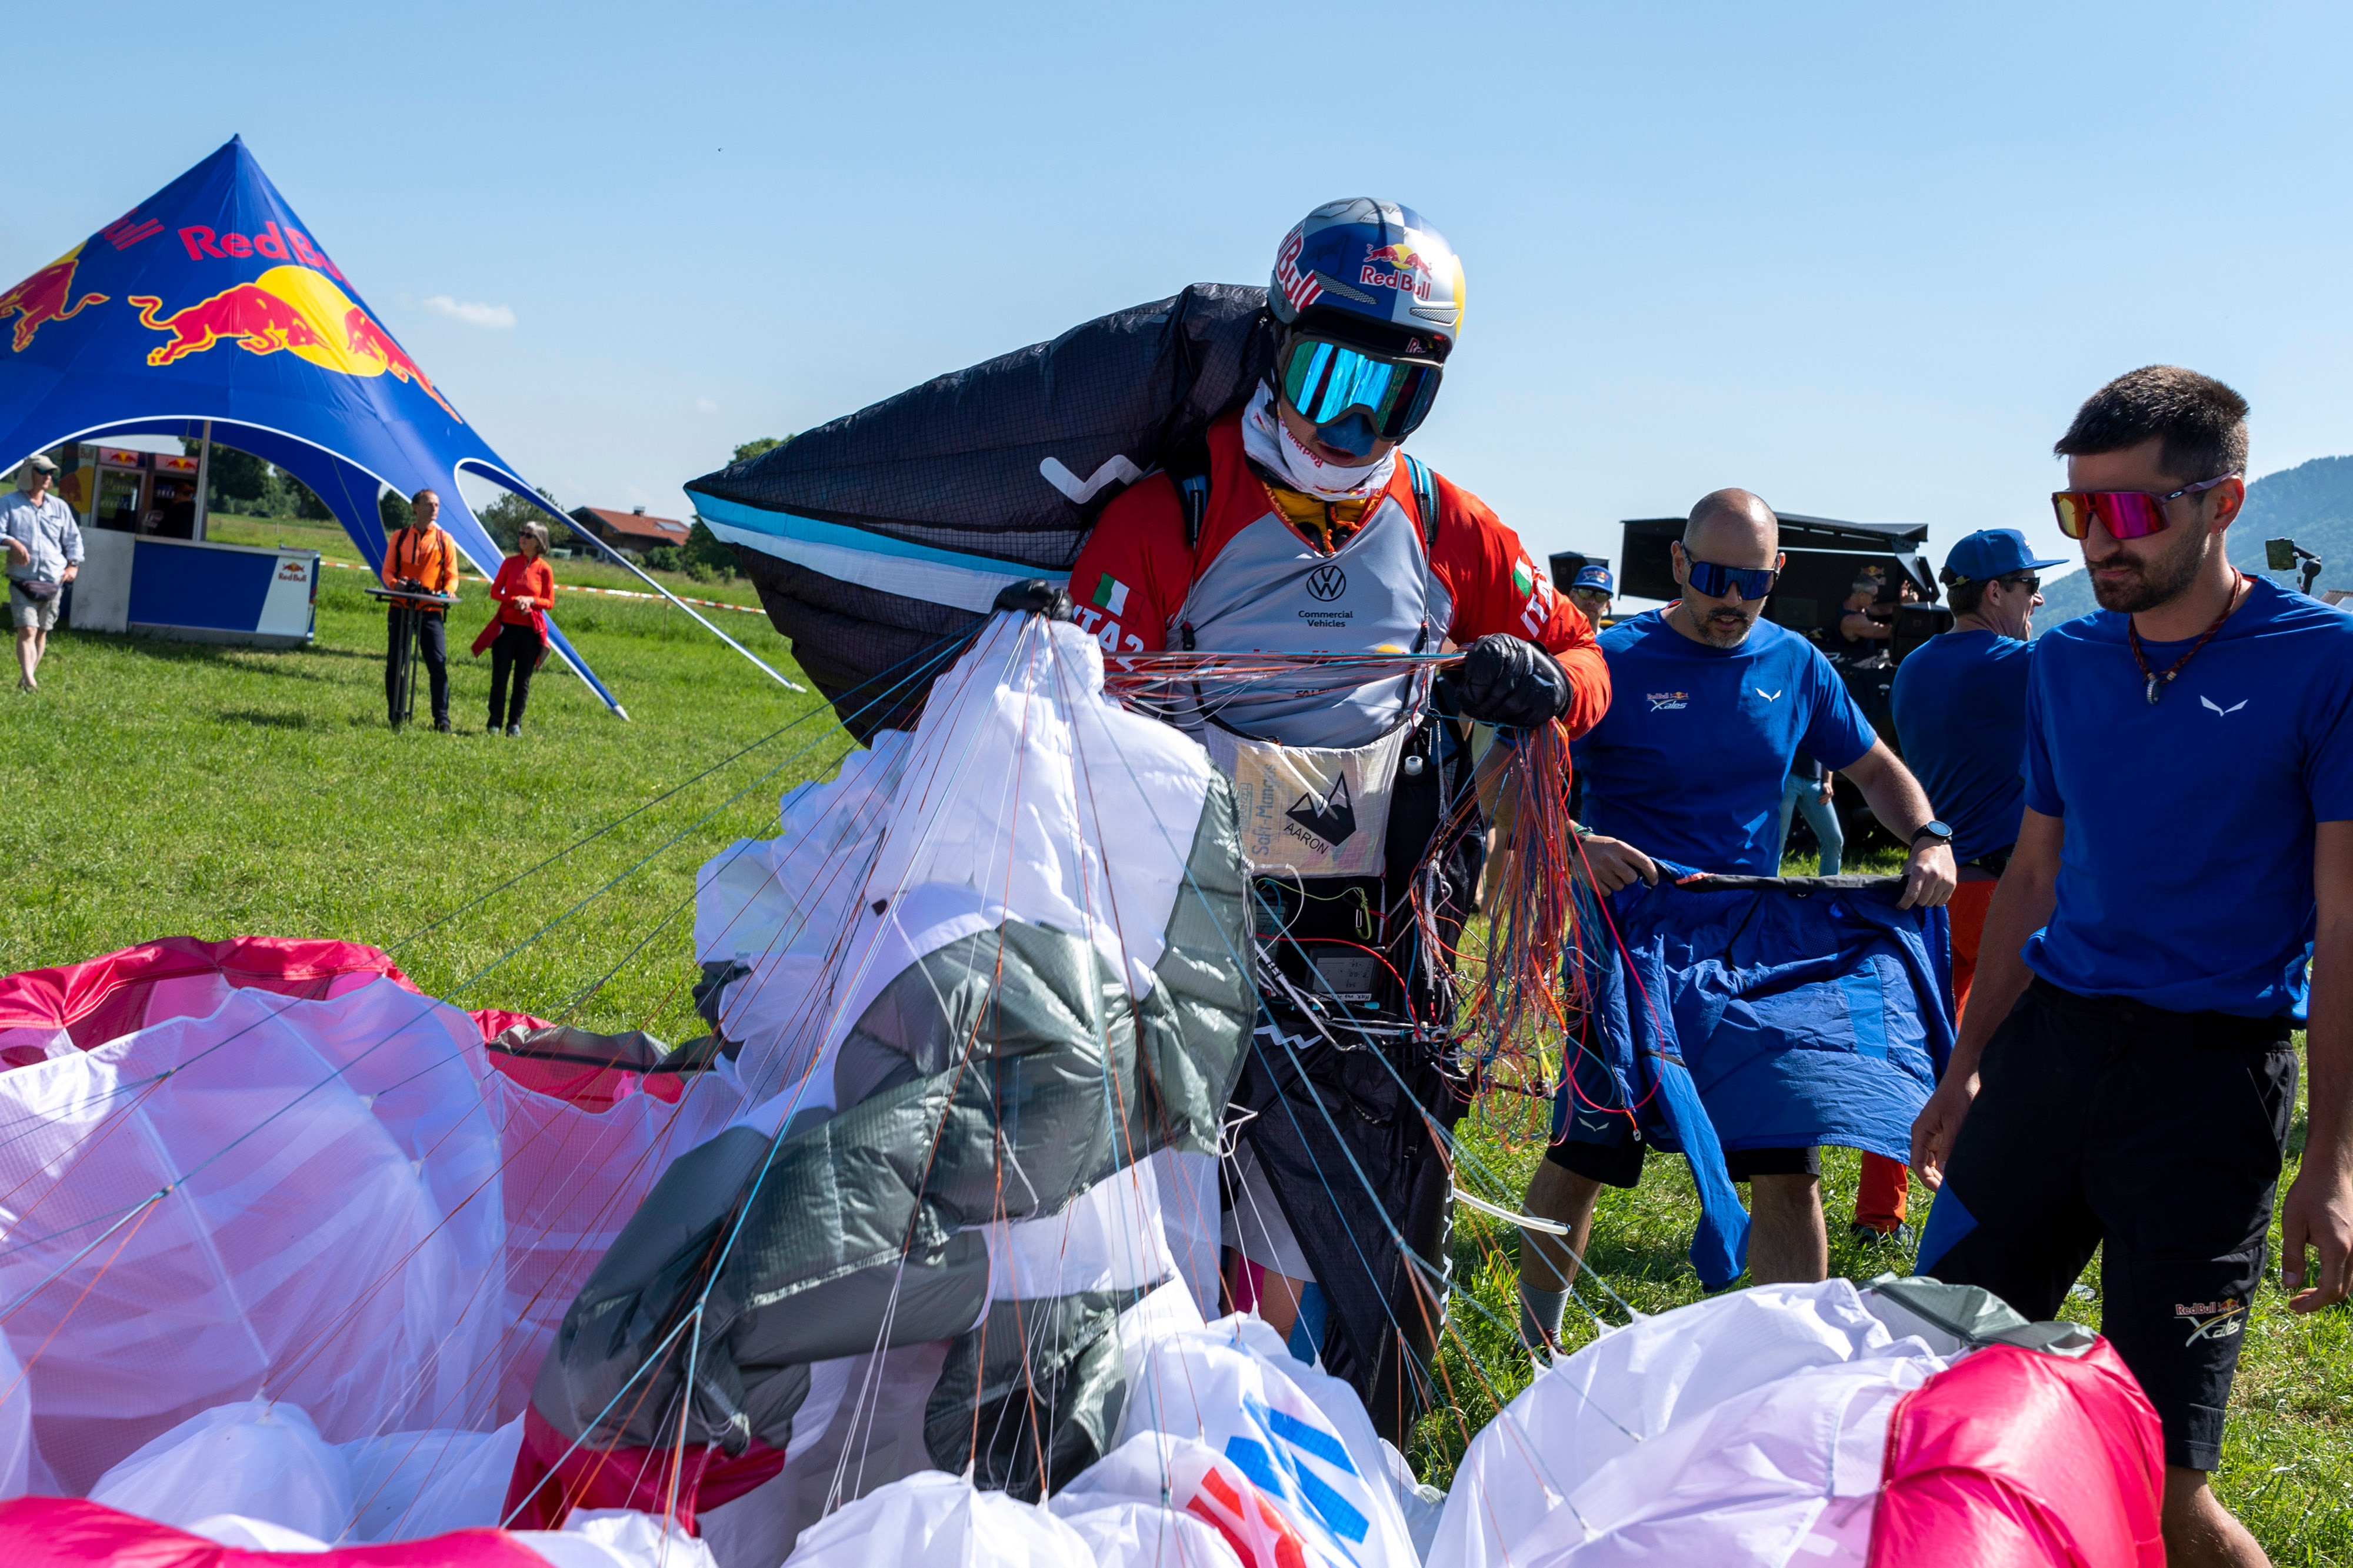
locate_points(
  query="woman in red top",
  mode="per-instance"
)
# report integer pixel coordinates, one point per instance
(517, 635)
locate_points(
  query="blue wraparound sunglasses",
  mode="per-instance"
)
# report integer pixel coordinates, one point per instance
(1715, 581)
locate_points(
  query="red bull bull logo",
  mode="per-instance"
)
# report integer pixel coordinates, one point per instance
(1396, 267)
(246, 313)
(288, 310)
(47, 296)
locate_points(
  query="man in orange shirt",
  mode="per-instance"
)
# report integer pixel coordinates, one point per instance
(419, 556)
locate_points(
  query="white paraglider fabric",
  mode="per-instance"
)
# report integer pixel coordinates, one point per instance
(1022, 774)
(573, 1176)
(1302, 1439)
(254, 1460)
(1129, 1534)
(300, 1194)
(409, 1485)
(1748, 1427)
(934, 1518)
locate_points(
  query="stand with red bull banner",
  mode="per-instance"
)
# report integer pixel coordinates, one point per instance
(210, 311)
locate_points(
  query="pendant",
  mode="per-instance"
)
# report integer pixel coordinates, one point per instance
(2156, 684)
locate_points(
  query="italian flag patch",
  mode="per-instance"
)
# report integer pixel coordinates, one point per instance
(1111, 595)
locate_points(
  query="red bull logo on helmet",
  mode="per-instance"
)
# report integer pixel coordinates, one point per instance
(1398, 267)
(47, 296)
(287, 310)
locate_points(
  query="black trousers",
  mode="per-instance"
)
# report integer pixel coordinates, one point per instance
(432, 652)
(516, 649)
(2153, 1136)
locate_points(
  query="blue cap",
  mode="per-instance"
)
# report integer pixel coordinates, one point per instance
(1596, 577)
(1993, 552)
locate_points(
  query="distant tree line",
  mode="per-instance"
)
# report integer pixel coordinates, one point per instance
(703, 557)
(242, 483)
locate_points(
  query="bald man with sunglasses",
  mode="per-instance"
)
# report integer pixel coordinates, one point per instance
(1709, 706)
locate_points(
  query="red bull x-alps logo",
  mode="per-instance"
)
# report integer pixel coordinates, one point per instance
(1397, 266)
(47, 296)
(294, 308)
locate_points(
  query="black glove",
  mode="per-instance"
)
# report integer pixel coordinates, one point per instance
(1037, 596)
(1506, 679)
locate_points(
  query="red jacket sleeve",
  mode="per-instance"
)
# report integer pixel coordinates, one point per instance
(1497, 587)
(1133, 572)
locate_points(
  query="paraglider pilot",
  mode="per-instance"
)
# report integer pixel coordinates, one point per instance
(1303, 530)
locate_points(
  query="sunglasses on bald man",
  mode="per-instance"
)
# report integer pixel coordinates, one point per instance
(1715, 581)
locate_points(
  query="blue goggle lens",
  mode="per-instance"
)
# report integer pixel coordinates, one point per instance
(1717, 582)
(1324, 381)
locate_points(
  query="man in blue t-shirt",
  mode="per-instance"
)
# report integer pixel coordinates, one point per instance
(2125, 1077)
(1709, 706)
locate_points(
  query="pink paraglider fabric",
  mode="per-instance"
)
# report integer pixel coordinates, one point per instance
(66, 1533)
(2017, 1459)
(301, 1152)
(181, 977)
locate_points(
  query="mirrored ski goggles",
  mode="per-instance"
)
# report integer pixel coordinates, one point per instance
(1715, 581)
(1325, 381)
(2126, 514)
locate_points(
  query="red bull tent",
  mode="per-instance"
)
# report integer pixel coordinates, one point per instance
(212, 303)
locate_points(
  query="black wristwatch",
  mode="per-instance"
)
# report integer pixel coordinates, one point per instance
(1936, 830)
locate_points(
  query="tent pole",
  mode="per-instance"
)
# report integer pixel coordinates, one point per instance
(573, 524)
(203, 479)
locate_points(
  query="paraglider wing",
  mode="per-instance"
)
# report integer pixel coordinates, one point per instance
(1007, 1036)
(873, 537)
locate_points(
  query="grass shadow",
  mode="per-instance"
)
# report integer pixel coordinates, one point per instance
(264, 719)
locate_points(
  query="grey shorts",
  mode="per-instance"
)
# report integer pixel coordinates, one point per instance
(24, 610)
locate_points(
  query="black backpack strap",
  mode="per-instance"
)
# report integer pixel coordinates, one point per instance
(1193, 495)
(1424, 496)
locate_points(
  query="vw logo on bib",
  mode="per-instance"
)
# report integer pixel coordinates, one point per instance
(1327, 583)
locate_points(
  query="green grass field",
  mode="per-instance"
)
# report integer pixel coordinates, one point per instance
(159, 788)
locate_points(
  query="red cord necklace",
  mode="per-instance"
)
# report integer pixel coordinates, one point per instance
(2157, 682)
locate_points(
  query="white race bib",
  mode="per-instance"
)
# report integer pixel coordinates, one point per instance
(1309, 811)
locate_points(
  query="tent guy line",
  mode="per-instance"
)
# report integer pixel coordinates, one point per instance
(581, 588)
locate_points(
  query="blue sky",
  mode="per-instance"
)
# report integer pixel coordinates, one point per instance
(1863, 259)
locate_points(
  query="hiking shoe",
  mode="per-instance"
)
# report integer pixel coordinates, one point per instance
(441, 726)
(515, 730)
(1871, 1236)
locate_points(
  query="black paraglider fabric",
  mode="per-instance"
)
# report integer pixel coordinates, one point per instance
(846, 637)
(960, 463)
(954, 462)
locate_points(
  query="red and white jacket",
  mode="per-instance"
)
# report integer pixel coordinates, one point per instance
(1253, 582)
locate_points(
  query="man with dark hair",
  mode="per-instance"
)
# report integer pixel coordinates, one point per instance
(1710, 707)
(2126, 1076)
(420, 557)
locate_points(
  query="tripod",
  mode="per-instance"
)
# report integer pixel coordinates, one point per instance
(408, 607)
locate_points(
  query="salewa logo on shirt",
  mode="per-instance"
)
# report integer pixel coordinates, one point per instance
(2212, 1320)
(2218, 708)
(1666, 702)
(1769, 696)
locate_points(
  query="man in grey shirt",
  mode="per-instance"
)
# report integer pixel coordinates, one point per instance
(44, 547)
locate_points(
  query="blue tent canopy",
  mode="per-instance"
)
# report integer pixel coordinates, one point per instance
(211, 301)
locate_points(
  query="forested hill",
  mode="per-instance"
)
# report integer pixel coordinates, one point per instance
(2311, 503)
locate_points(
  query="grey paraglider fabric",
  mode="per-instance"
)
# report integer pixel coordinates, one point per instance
(1002, 1073)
